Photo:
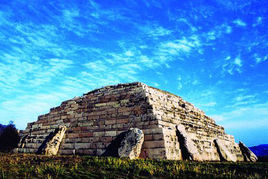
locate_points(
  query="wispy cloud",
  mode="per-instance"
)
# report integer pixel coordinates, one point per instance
(209, 104)
(246, 115)
(243, 100)
(70, 14)
(218, 32)
(245, 123)
(218, 118)
(16, 72)
(185, 48)
(258, 21)
(154, 31)
(97, 66)
(244, 97)
(239, 22)
(178, 48)
(238, 61)
(232, 65)
(234, 5)
(23, 108)
(180, 85)
(259, 59)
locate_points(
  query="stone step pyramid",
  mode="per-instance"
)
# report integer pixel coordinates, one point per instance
(173, 128)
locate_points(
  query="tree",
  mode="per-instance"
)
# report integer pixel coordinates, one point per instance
(2, 127)
(9, 138)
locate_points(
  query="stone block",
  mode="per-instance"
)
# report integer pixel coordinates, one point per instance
(110, 133)
(153, 144)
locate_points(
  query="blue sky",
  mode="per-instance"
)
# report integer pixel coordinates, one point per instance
(212, 53)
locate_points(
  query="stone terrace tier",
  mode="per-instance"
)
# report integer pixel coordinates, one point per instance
(96, 118)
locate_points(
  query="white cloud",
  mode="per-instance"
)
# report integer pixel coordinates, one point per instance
(251, 111)
(238, 62)
(185, 21)
(217, 32)
(154, 31)
(209, 104)
(180, 85)
(228, 29)
(208, 92)
(228, 58)
(146, 61)
(155, 84)
(26, 108)
(160, 31)
(211, 35)
(217, 118)
(251, 116)
(234, 6)
(129, 68)
(231, 66)
(97, 66)
(17, 73)
(258, 21)
(70, 14)
(259, 59)
(129, 53)
(195, 82)
(246, 123)
(3, 17)
(240, 23)
(177, 47)
(186, 81)
(244, 97)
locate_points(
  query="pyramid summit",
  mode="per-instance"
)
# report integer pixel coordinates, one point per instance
(171, 127)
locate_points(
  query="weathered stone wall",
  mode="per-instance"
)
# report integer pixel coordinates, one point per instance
(171, 110)
(96, 118)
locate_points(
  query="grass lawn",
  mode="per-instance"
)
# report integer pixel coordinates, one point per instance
(38, 166)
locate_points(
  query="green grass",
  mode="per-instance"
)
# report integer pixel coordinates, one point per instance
(38, 166)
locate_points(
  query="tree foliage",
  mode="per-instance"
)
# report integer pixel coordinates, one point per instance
(9, 138)
(2, 127)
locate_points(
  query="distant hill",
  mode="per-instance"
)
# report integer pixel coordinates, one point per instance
(260, 150)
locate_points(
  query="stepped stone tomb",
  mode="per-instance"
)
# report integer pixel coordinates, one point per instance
(131, 120)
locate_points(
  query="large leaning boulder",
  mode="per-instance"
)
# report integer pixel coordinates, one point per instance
(188, 149)
(51, 147)
(224, 153)
(127, 144)
(247, 153)
(130, 146)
